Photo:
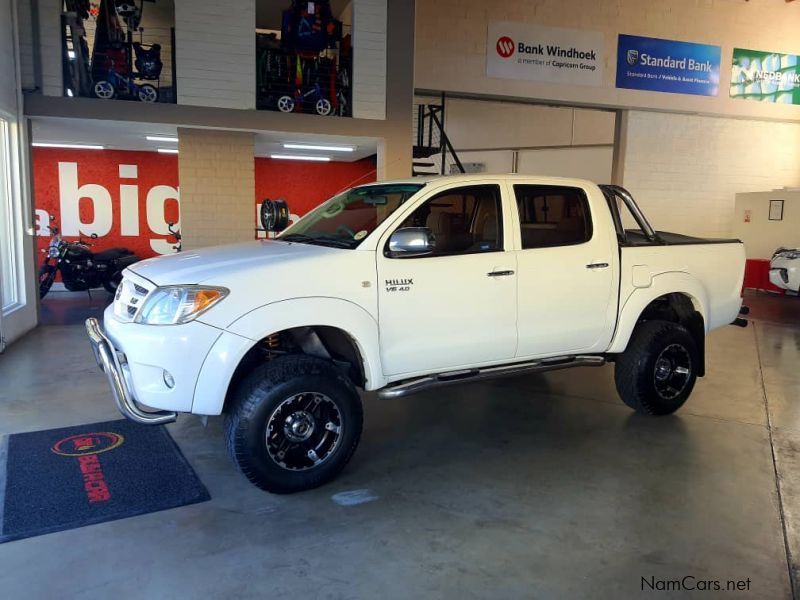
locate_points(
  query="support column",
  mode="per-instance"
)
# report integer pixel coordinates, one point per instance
(217, 186)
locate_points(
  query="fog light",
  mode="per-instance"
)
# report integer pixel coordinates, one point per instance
(169, 381)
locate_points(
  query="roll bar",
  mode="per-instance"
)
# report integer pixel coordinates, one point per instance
(612, 192)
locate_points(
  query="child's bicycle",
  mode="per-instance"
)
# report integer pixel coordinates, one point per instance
(115, 84)
(313, 96)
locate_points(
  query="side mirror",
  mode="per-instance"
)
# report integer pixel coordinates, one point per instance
(274, 215)
(411, 241)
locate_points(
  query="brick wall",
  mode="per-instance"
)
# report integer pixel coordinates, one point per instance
(685, 170)
(217, 181)
(369, 59)
(215, 53)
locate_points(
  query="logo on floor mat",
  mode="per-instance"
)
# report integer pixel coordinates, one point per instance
(84, 444)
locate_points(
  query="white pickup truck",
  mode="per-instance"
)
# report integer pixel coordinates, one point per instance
(402, 286)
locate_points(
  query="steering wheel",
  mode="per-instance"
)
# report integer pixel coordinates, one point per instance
(347, 230)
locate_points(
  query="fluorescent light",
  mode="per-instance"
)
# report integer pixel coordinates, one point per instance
(298, 157)
(162, 138)
(295, 146)
(168, 150)
(72, 146)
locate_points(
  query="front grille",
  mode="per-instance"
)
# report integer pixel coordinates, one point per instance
(129, 300)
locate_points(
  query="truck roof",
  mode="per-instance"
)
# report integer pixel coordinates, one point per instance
(478, 177)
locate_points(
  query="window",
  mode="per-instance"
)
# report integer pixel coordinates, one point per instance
(346, 219)
(8, 272)
(552, 215)
(464, 220)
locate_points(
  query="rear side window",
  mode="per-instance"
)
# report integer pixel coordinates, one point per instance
(552, 215)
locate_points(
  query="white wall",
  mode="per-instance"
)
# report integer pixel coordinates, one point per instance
(761, 236)
(22, 316)
(451, 46)
(685, 170)
(550, 140)
(50, 46)
(216, 53)
(369, 58)
(592, 163)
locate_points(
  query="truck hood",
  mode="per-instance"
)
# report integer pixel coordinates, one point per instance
(216, 263)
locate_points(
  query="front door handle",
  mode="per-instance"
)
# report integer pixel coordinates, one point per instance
(597, 266)
(500, 273)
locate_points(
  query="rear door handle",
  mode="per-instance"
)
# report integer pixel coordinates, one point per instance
(500, 273)
(597, 266)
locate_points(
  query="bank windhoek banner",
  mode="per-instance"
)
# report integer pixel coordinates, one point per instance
(524, 51)
(765, 76)
(671, 66)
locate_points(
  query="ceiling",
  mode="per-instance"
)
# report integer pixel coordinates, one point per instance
(131, 136)
(268, 12)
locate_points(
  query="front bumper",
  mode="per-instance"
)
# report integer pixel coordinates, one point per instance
(108, 361)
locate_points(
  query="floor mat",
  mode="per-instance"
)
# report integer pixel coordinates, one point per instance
(65, 478)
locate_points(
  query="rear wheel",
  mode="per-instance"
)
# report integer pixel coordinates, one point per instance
(47, 275)
(293, 424)
(658, 370)
(104, 89)
(286, 104)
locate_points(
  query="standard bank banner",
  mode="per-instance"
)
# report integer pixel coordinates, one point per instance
(667, 66)
(522, 51)
(765, 76)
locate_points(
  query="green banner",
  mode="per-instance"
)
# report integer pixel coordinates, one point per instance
(765, 76)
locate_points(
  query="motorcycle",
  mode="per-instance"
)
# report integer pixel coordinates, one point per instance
(177, 235)
(81, 269)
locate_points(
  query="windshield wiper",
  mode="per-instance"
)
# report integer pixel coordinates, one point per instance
(322, 241)
(296, 237)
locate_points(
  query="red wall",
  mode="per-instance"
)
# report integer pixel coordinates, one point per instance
(94, 202)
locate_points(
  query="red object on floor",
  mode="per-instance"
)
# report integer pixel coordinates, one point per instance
(756, 275)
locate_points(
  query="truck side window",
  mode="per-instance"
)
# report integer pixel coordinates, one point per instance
(464, 220)
(552, 215)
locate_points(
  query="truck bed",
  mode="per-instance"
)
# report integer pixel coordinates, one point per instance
(636, 237)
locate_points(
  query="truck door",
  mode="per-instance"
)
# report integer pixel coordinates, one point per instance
(566, 267)
(456, 306)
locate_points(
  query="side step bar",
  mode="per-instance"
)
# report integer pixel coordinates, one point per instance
(452, 377)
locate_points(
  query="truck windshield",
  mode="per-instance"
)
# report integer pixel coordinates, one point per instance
(347, 219)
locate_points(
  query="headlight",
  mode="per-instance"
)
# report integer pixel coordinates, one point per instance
(52, 252)
(174, 305)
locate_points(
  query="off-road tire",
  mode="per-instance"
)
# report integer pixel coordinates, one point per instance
(635, 372)
(258, 396)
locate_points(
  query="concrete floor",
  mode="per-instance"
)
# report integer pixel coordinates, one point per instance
(542, 486)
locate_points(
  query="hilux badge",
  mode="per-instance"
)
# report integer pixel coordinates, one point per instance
(399, 285)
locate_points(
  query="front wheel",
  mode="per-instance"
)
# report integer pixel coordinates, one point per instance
(293, 424)
(112, 284)
(47, 275)
(147, 93)
(658, 369)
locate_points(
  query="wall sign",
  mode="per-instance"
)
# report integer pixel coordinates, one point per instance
(776, 210)
(765, 76)
(523, 51)
(667, 66)
(127, 197)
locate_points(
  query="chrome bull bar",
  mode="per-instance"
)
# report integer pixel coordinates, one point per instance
(107, 360)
